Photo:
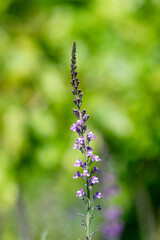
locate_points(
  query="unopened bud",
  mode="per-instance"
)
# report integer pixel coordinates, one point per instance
(84, 111)
(74, 92)
(79, 90)
(75, 101)
(76, 112)
(79, 102)
(81, 95)
(85, 118)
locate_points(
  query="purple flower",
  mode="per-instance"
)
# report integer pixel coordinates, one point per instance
(97, 195)
(96, 207)
(94, 180)
(85, 118)
(90, 136)
(78, 147)
(80, 193)
(86, 173)
(95, 170)
(79, 140)
(77, 175)
(89, 151)
(76, 126)
(78, 163)
(79, 122)
(95, 158)
(89, 148)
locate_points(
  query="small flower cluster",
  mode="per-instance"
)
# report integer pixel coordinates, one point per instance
(87, 172)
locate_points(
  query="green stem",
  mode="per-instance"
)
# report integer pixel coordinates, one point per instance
(88, 213)
(88, 227)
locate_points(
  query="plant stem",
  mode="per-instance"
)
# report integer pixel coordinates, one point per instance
(88, 213)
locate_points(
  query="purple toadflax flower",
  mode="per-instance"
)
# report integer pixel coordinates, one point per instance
(80, 193)
(82, 144)
(93, 180)
(97, 195)
(78, 163)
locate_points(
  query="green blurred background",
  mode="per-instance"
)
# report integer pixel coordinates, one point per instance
(118, 55)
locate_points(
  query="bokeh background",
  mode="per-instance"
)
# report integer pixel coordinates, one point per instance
(118, 55)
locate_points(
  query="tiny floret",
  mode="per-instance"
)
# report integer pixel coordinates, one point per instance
(90, 136)
(94, 180)
(95, 170)
(86, 173)
(97, 195)
(76, 126)
(97, 207)
(77, 175)
(95, 158)
(78, 163)
(80, 193)
(89, 151)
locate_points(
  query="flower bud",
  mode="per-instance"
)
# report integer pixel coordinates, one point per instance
(76, 112)
(79, 102)
(75, 101)
(84, 111)
(79, 90)
(81, 95)
(85, 118)
(74, 92)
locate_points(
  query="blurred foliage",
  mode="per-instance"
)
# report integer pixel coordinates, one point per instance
(118, 53)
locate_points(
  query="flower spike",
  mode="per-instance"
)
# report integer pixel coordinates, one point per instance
(82, 143)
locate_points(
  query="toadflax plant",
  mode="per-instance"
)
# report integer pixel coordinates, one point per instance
(87, 169)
